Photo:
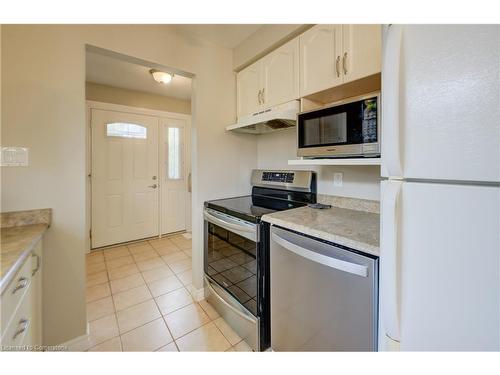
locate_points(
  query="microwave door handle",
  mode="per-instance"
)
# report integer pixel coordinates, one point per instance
(342, 265)
(227, 224)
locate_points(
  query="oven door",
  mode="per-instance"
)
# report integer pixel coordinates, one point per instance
(348, 128)
(230, 263)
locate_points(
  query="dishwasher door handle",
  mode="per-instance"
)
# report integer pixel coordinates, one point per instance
(342, 265)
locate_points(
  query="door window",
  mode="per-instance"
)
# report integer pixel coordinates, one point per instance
(126, 130)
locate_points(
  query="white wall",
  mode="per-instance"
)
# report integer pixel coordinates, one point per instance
(43, 108)
(133, 98)
(263, 41)
(275, 149)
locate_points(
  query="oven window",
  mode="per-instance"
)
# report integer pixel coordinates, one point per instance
(231, 262)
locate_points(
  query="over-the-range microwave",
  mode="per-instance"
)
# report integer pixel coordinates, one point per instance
(348, 128)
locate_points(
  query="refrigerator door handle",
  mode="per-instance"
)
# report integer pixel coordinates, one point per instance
(391, 105)
(389, 258)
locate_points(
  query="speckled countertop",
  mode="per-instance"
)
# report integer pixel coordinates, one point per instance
(18, 240)
(358, 230)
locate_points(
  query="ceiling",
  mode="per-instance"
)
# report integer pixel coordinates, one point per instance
(228, 36)
(118, 73)
(112, 71)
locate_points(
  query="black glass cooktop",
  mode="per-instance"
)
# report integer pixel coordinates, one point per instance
(243, 207)
(263, 201)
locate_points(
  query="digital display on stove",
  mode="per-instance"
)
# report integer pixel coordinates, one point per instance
(278, 176)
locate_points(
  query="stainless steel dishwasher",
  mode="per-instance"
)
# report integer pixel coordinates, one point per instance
(323, 297)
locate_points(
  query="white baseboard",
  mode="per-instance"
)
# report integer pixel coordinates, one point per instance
(198, 294)
(78, 344)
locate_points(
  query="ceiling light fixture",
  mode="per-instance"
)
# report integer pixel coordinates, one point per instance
(161, 77)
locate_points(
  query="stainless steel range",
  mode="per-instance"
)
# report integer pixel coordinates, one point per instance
(236, 259)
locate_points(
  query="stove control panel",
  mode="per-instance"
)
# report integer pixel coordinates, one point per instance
(278, 176)
(285, 180)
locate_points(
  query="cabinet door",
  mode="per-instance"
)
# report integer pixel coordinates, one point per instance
(281, 74)
(36, 295)
(361, 51)
(320, 55)
(249, 84)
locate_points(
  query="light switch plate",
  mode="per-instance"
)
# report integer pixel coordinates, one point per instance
(337, 179)
(14, 157)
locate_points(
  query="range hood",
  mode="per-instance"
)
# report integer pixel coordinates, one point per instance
(280, 117)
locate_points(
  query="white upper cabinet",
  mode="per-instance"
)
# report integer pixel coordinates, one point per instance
(270, 81)
(320, 49)
(361, 51)
(322, 57)
(249, 88)
(331, 55)
(280, 73)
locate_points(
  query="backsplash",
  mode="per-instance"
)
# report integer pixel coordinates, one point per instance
(275, 149)
(350, 203)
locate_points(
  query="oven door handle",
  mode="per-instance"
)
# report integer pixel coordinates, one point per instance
(229, 225)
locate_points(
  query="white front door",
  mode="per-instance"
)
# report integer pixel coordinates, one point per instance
(174, 174)
(124, 177)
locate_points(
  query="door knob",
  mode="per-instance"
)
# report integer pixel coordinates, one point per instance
(154, 186)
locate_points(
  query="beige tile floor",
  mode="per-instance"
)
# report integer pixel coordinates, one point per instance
(139, 299)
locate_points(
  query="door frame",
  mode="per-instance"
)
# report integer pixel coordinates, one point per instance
(90, 105)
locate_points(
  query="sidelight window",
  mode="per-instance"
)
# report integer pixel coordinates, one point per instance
(174, 154)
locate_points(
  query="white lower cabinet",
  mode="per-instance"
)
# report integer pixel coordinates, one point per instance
(21, 306)
(36, 295)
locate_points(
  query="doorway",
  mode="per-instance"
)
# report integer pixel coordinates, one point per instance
(124, 177)
(139, 152)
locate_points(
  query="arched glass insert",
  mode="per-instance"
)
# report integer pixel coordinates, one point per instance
(126, 130)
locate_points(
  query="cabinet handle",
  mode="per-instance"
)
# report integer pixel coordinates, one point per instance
(23, 324)
(263, 95)
(337, 62)
(21, 284)
(259, 96)
(37, 264)
(344, 60)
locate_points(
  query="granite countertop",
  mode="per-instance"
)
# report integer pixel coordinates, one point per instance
(18, 239)
(356, 229)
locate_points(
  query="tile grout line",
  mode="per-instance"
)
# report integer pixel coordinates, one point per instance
(149, 289)
(163, 318)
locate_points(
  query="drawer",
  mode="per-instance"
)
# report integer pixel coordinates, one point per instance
(15, 293)
(18, 332)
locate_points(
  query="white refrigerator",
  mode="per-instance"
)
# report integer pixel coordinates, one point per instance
(440, 196)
